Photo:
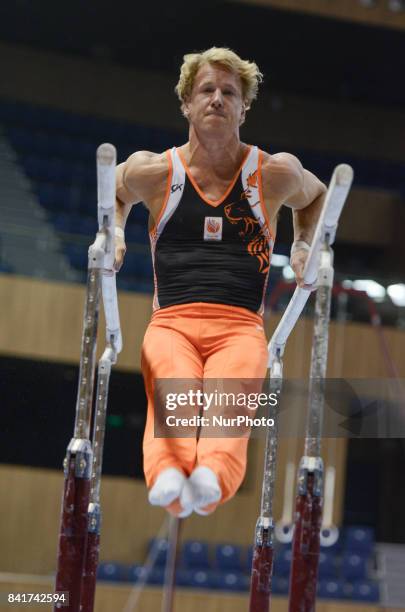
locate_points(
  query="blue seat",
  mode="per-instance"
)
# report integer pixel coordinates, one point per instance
(87, 226)
(183, 577)
(55, 198)
(144, 286)
(60, 171)
(130, 283)
(6, 268)
(82, 174)
(64, 146)
(37, 168)
(136, 233)
(359, 538)
(364, 590)
(114, 572)
(195, 554)
(196, 578)
(328, 564)
(137, 264)
(67, 198)
(228, 557)
(145, 267)
(62, 222)
(139, 214)
(331, 589)
(280, 585)
(47, 194)
(156, 576)
(161, 548)
(87, 201)
(153, 576)
(77, 255)
(282, 561)
(354, 565)
(232, 581)
(125, 284)
(248, 559)
(86, 150)
(131, 265)
(43, 143)
(202, 579)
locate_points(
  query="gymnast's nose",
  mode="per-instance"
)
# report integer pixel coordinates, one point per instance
(217, 100)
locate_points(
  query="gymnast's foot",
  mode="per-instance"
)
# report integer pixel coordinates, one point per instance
(167, 490)
(203, 491)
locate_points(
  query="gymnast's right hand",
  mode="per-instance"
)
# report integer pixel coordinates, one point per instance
(120, 250)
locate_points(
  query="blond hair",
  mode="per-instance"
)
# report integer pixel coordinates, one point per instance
(248, 72)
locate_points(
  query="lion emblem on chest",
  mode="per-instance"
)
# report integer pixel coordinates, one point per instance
(249, 229)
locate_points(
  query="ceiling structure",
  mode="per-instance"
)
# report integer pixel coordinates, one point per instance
(298, 52)
(385, 13)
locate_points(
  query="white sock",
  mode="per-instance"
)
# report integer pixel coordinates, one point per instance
(167, 488)
(203, 489)
(186, 500)
(187, 496)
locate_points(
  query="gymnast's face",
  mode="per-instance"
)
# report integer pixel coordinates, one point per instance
(216, 102)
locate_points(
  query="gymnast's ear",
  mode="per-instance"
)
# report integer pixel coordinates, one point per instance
(185, 109)
(245, 108)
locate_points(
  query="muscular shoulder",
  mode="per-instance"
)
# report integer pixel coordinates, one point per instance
(282, 174)
(285, 181)
(144, 169)
(140, 174)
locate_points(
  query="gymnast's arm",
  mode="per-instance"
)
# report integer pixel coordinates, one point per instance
(141, 178)
(301, 191)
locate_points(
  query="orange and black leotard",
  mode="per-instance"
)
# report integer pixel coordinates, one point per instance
(217, 252)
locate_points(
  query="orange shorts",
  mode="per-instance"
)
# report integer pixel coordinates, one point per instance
(200, 340)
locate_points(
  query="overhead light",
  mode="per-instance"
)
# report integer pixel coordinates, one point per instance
(347, 284)
(396, 5)
(288, 273)
(279, 261)
(373, 289)
(397, 294)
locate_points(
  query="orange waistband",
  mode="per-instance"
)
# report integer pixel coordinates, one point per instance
(208, 310)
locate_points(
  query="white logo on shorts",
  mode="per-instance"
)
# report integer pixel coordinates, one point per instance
(213, 228)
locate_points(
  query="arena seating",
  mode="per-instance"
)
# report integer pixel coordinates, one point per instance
(160, 546)
(195, 554)
(345, 571)
(57, 151)
(228, 557)
(6, 268)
